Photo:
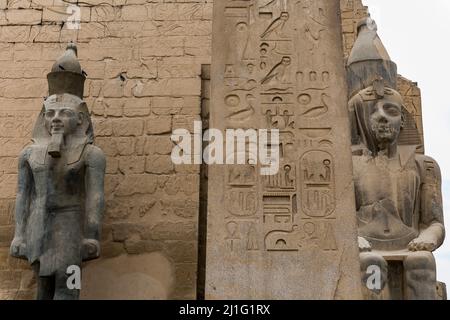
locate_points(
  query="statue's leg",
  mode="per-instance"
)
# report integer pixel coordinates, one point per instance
(373, 275)
(62, 292)
(45, 285)
(46, 288)
(420, 275)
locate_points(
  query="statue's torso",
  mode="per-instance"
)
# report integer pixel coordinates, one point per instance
(57, 180)
(388, 201)
(55, 225)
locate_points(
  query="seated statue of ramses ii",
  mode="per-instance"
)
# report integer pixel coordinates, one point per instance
(398, 190)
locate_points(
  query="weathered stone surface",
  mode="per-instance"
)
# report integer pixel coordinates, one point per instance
(61, 158)
(134, 13)
(9, 280)
(128, 127)
(262, 232)
(158, 145)
(28, 16)
(398, 192)
(137, 107)
(145, 276)
(352, 13)
(137, 184)
(172, 47)
(159, 164)
(159, 125)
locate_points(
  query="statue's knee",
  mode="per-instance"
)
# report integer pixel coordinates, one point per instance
(420, 276)
(368, 259)
(421, 260)
(420, 267)
(374, 271)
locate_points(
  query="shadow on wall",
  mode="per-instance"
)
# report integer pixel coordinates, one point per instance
(128, 277)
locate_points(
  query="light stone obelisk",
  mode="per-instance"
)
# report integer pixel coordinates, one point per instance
(279, 65)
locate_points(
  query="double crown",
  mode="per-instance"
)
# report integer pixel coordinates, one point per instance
(66, 75)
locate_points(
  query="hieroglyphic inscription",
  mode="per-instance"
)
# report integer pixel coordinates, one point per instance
(14, 124)
(241, 192)
(277, 64)
(317, 184)
(306, 235)
(277, 78)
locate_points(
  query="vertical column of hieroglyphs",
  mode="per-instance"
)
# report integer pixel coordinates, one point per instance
(279, 65)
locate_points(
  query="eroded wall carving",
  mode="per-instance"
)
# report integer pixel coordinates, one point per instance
(283, 69)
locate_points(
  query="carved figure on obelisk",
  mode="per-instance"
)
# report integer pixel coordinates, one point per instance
(398, 191)
(60, 197)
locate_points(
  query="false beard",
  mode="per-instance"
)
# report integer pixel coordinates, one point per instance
(56, 142)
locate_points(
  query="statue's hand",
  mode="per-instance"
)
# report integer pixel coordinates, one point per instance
(91, 249)
(18, 248)
(422, 243)
(364, 245)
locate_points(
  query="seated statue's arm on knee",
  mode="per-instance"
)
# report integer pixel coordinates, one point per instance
(431, 223)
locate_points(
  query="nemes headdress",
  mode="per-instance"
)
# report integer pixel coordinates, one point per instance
(65, 85)
(371, 75)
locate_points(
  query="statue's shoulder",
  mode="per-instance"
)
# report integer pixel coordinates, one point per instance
(361, 159)
(428, 167)
(29, 150)
(94, 156)
(426, 160)
(26, 151)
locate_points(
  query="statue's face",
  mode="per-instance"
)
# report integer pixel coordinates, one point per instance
(386, 119)
(62, 118)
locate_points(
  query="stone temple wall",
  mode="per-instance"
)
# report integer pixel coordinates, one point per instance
(144, 61)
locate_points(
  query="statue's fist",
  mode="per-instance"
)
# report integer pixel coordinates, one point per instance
(91, 249)
(364, 245)
(18, 248)
(422, 244)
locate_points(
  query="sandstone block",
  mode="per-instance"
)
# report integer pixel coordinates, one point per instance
(15, 4)
(134, 13)
(10, 280)
(15, 33)
(103, 127)
(174, 231)
(55, 14)
(161, 145)
(159, 164)
(182, 251)
(128, 127)
(137, 184)
(137, 107)
(132, 165)
(46, 33)
(159, 125)
(28, 16)
(105, 13)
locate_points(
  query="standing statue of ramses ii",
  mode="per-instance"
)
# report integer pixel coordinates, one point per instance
(60, 197)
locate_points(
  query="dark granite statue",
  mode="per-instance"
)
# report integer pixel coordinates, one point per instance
(60, 196)
(398, 191)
